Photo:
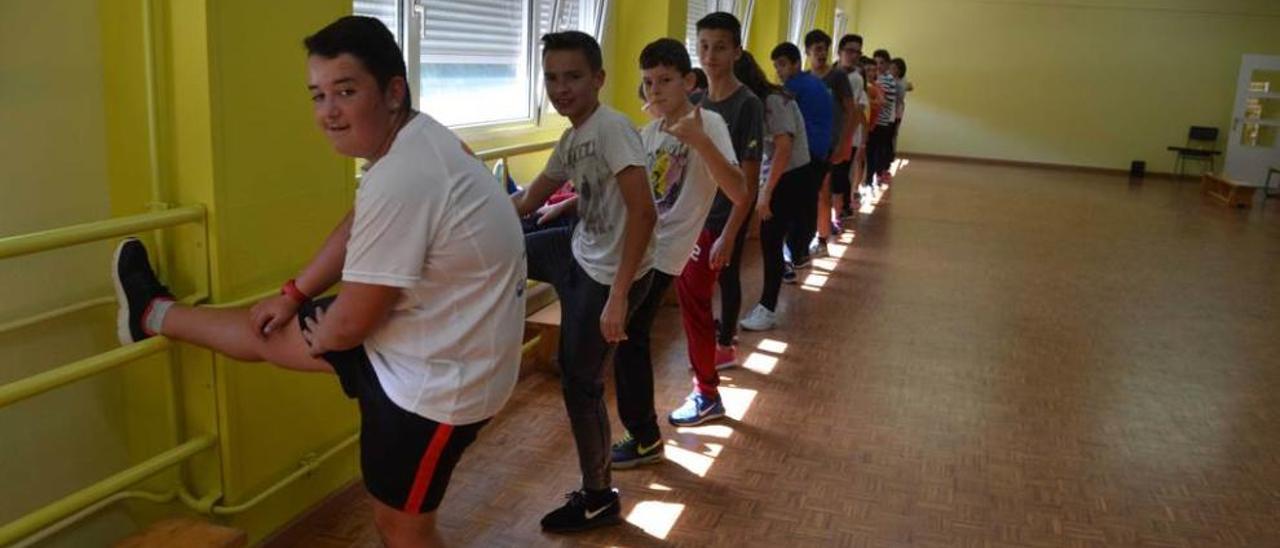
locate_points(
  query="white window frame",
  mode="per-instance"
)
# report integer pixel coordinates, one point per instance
(697, 9)
(410, 15)
(801, 19)
(840, 26)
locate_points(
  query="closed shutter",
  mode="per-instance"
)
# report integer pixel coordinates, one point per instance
(701, 8)
(485, 32)
(387, 11)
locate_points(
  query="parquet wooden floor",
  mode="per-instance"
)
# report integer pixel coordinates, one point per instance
(1001, 357)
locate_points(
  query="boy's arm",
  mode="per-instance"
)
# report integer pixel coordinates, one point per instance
(845, 148)
(324, 270)
(533, 196)
(641, 217)
(359, 309)
(728, 177)
(722, 251)
(781, 157)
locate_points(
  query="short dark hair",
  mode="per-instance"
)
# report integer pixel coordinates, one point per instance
(881, 54)
(787, 50)
(369, 41)
(816, 37)
(700, 77)
(723, 21)
(844, 40)
(573, 40)
(666, 52)
(902, 65)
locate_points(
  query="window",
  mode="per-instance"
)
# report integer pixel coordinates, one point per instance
(841, 26)
(804, 14)
(742, 9)
(476, 62)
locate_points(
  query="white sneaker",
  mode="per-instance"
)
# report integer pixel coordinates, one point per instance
(818, 248)
(759, 319)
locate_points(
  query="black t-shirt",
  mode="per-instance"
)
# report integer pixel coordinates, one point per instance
(837, 80)
(744, 114)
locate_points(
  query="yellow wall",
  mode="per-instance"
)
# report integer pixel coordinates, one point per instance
(277, 190)
(1082, 82)
(641, 23)
(54, 148)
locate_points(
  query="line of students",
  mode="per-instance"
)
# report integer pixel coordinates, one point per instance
(425, 332)
(702, 160)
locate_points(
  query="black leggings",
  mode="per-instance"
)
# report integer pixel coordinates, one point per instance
(788, 212)
(879, 149)
(731, 287)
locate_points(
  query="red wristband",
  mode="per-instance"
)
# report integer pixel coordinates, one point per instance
(290, 289)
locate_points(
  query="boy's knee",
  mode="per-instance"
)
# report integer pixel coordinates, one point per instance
(403, 529)
(578, 388)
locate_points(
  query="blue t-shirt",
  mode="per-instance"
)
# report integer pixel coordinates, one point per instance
(815, 104)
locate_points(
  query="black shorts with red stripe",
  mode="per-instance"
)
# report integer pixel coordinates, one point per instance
(406, 458)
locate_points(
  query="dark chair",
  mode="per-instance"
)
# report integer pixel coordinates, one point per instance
(1200, 147)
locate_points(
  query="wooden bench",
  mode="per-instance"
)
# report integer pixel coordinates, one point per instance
(1230, 193)
(185, 532)
(1266, 185)
(542, 320)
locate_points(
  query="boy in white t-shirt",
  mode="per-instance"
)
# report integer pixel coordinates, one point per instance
(690, 155)
(600, 268)
(425, 332)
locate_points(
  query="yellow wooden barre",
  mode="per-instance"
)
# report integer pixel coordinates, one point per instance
(74, 502)
(67, 236)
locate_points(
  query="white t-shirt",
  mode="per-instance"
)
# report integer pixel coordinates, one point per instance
(860, 100)
(592, 156)
(431, 220)
(683, 189)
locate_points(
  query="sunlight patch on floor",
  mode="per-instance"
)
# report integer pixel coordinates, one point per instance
(696, 463)
(721, 431)
(737, 401)
(654, 517)
(814, 281)
(770, 345)
(760, 363)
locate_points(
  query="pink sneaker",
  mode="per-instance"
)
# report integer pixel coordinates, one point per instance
(726, 356)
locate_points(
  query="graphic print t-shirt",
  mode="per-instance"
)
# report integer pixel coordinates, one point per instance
(683, 189)
(592, 156)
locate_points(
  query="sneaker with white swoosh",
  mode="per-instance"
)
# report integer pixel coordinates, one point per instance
(584, 511)
(696, 410)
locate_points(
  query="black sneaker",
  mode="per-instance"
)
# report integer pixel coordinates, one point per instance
(136, 288)
(788, 273)
(630, 453)
(580, 514)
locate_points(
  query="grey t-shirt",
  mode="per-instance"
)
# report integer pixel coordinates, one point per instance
(782, 115)
(837, 80)
(591, 156)
(744, 113)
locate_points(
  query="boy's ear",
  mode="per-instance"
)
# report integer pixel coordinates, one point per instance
(690, 82)
(397, 88)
